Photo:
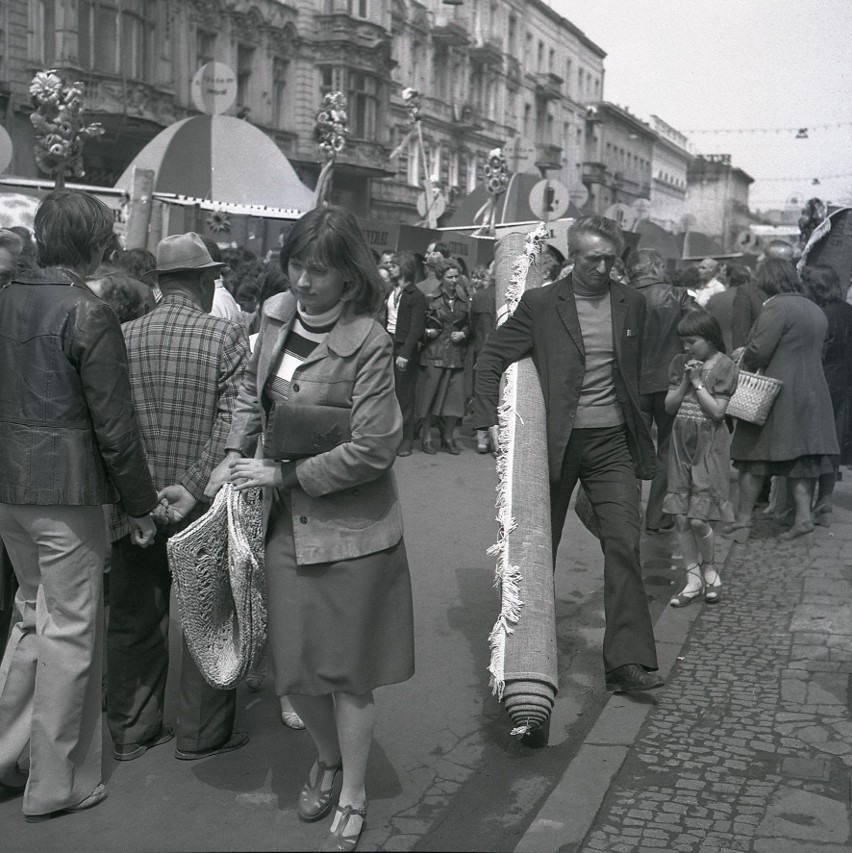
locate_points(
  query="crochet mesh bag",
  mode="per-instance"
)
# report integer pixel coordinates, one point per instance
(220, 585)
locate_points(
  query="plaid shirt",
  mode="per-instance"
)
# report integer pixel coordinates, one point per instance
(185, 371)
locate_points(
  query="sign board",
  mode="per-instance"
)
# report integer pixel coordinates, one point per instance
(623, 214)
(549, 199)
(214, 88)
(5, 149)
(578, 196)
(521, 155)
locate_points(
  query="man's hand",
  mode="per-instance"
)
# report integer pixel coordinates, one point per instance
(401, 363)
(250, 473)
(456, 337)
(221, 474)
(180, 502)
(143, 531)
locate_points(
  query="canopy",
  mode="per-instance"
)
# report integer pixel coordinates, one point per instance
(224, 159)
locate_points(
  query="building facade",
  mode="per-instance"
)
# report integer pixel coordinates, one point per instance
(619, 153)
(717, 198)
(488, 71)
(669, 168)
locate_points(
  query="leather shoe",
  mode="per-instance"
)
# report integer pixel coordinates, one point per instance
(404, 448)
(129, 751)
(451, 447)
(235, 741)
(427, 447)
(631, 677)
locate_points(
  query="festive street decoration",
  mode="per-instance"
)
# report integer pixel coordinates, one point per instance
(60, 128)
(330, 131)
(218, 221)
(496, 182)
(523, 663)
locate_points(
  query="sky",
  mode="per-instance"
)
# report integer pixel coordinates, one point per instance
(722, 65)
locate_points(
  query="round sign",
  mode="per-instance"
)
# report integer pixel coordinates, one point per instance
(439, 204)
(578, 196)
(549, 199)
(214, 88)
(521, 154)
(642, 208)
(623, 214)
(5, 149)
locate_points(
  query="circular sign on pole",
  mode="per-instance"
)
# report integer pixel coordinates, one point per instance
(5, 149)
(522, 155)
(623, 214)
(578, 196)
(549, 199)
(439, 203)
(214, 88)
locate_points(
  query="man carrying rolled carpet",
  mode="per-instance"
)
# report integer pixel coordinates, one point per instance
(584, 334)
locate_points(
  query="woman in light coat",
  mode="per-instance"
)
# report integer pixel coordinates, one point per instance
(339, 591)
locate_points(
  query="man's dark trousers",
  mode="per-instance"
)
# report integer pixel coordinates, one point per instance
(600, 460)
(138, 658)
(654, 412)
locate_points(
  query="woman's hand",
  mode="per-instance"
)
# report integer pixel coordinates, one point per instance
(252, 473)
(221, 474)
(456, 337)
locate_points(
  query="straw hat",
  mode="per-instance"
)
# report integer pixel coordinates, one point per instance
(182, 252)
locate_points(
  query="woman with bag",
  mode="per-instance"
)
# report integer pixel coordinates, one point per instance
(798, 438)
(319, 393)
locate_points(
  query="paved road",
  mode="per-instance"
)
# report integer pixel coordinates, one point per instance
(444, 773)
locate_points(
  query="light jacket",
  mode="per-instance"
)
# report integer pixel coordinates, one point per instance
(69, 435)
(346, 504)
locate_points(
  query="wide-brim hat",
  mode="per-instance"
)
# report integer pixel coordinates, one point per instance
(182, 252)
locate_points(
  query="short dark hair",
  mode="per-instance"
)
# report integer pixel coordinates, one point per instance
(10, 241)
(212, 249)
(644, 262)
(332, 236)
(408, 266)
(124, 295)
(135, 262)
(70, 226)
(702, 324)
(445, 264)
(442, 247)
(821, 284)
(599, 225)
(775, 275)
(738, 275)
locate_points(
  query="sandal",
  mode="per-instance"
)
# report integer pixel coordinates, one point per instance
(796, 531)
(712, 591)
(820, 515)
(336, 840)
(315, 801)
(739, 531)
(683, 597)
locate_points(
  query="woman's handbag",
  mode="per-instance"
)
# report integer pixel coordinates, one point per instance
(220, 585)
(297, 431)
(754, 396)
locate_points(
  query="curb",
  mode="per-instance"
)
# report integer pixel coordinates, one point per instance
(568, 813)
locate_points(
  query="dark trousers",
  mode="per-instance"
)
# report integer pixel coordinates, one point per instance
(138, 658)
(600, 460)
(654, 412)
(405, 383)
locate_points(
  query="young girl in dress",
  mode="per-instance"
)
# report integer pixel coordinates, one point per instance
(701, 382)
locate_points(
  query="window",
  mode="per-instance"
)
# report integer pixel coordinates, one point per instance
(114, 37)
(279, 91)
(551, 61)
(568, 75)
(512, 35)
(540, 57)
(359, 8)
(453, 169)
(472, 172)
(245, 61)
(413, 166)
(527, 116)
(42, 32)
(362, 91)
(205, 48)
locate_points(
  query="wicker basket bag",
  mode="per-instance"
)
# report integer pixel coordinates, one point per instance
(754, 397)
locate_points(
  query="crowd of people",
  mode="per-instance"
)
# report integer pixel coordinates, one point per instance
(146, 383)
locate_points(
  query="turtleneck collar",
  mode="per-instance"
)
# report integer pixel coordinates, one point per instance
(327, 318)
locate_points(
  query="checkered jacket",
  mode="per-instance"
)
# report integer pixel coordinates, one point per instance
(185, 371)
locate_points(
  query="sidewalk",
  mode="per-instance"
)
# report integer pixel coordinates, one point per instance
(748, 747)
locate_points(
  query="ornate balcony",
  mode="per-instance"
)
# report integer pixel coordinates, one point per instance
(365, 157)
(341, 27)
(466, 117)
(594, 173)
(450, 31)
(488, 52)
(548, 156)
(513, 69)
(548, 87)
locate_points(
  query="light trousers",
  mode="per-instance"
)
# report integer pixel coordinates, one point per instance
(50, 676)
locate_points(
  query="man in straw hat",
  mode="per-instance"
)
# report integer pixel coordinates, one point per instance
(185, 369)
